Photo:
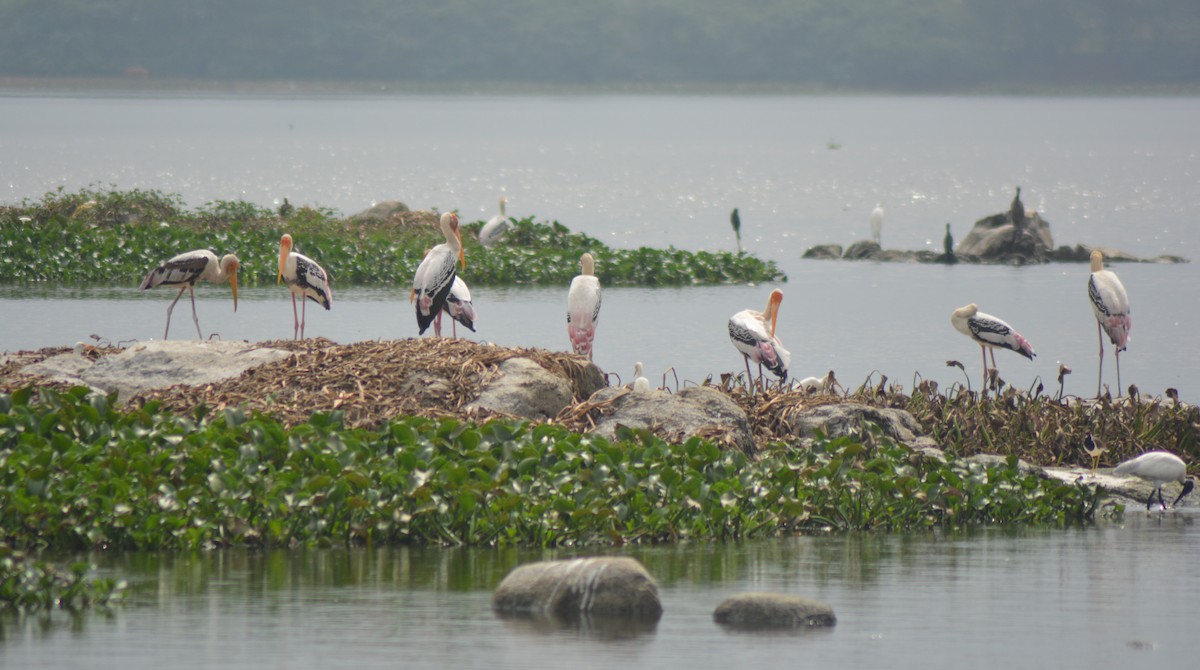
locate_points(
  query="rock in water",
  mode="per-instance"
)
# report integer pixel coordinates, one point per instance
(771, 610)
(581, 587)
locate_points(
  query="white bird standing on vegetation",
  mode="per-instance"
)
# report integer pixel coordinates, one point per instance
(1158, 468)
(1110, 304)
(188, 268)
(435, 275)
(877, 224)
(826, 384)
(989, 332)
(753, 334)
(496, 227)
(459, 306)
(640, 383)
(583, 307)
(305, 278)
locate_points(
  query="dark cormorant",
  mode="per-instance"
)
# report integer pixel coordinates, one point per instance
(948, 242)
(285, 210)
(736, 222)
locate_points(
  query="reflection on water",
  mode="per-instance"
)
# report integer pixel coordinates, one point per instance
(1096, 596)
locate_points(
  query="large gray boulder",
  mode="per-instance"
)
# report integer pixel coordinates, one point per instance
(824, 252)
(388, 210)
(675, 417)
(582, 587)
(993, 239)
(863, 250)
(849, 418)
(156, 365)
(524, 388)
(771, 610)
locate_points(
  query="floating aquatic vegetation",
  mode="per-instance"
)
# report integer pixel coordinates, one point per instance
(29, 586)
(79, 473)
(76, 237)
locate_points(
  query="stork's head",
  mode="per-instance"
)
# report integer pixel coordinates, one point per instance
(285, 250)
(772, 311)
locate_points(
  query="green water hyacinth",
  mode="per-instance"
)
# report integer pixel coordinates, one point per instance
(29, 586)
(76, 237)
(78, 473)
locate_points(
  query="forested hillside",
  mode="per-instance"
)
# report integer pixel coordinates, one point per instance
(920, 45)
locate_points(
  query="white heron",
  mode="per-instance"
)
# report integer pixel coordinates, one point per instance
(305, 278)
(640, 383)
(753, 334)
(989, 332)
(496, 227)
(1158, 468)
(877, 224)
(583, 307)
(435, 275)
(188, 268)
(826, 384)
(1110, 304)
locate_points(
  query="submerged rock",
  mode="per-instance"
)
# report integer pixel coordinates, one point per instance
(575, 588)
(771, 610)
(675, 417)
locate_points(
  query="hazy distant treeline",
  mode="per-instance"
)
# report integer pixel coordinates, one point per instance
(882, 44)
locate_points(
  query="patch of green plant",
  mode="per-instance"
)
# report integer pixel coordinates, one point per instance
(77, 237)
(30, 586)
(77, 473)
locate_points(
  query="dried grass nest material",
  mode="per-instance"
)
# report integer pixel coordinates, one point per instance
(371, 382)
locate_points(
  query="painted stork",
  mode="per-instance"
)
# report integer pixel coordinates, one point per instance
(496, 227)
(583, 307)
(877, 224)
(1110, 304)
(753, 334)
(305, 278)
(989, 332)
(640, 383)
(188, 268)
(435, 275)
(459, 306)
(1158, 468)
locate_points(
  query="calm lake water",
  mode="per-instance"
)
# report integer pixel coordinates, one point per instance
(667, 170)
(1111, 595)
(656, 171)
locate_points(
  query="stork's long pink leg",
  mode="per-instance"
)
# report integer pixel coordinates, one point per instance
(172, 307)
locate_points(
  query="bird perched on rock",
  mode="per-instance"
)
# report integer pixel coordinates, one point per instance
(948, 242)
(877, 224)
(583, 307)
(1094, 448)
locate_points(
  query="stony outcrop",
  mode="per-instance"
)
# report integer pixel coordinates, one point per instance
(675, 417)
(582, 587)
(388, 210)
(848, 418)
(156, 365)
(771, 610)
(524, 388)
(992, 240)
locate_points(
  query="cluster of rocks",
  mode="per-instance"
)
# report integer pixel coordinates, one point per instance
(619, 590)
(994, 239)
